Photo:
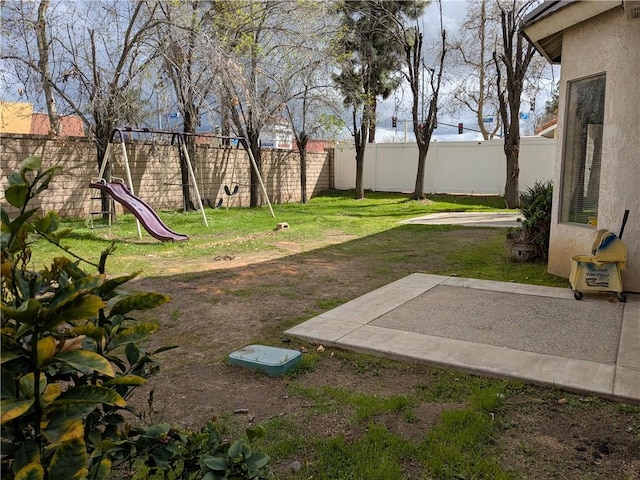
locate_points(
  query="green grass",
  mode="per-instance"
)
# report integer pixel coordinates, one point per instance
(246, 229)
(365, 406)
(368, 228)
(450, 386)
(376, 455)
(335, 225)
(458, 446)
(284, 439)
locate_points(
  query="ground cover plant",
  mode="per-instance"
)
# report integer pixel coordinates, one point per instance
(345, 415)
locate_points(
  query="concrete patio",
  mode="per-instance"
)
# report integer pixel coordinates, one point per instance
(469, 219)
(536, 334)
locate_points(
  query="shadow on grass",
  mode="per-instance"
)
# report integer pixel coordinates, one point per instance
(220, 306)
(298, 286)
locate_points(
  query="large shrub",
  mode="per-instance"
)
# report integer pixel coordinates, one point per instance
(72, 356)
(535, 205)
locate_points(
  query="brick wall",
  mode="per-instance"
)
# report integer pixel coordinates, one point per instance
(155, 172)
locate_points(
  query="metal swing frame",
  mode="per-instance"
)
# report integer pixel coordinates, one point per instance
(245, 146)
(179, 138)
(181, 145)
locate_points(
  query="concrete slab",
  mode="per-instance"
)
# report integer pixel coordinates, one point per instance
(513, 320)
(629, 349)
(627, 384)
(371, 305)
(323, 329)
(537, 334)
(488, 360)
(469, 219)
(509, 287)
(627, 379)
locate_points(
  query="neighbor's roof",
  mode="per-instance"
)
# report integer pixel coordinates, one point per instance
(544, 25)
(548, 129)
(19, 117)
(70, 125)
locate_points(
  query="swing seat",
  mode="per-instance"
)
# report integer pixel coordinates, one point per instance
(211, 205)
(229, 192)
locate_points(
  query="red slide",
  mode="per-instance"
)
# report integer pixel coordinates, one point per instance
(142, 211)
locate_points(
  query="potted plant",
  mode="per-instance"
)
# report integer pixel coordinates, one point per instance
(530, 241)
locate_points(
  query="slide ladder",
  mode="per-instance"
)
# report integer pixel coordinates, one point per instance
(98, 217)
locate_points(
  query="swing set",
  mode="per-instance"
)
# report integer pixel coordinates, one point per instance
(145, 215)
(232, 189)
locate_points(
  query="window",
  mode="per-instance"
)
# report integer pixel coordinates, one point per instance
(582, 150)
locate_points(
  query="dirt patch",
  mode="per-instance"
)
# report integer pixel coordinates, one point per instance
(228, 302)
(547, 439)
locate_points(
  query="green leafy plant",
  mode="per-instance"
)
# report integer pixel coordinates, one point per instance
(71, 352)
(189, 455)
(72, 356)
(535, 205)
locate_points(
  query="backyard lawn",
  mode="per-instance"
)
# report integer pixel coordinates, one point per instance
(345, 415)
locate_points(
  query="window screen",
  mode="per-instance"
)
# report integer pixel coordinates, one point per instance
(582, 150)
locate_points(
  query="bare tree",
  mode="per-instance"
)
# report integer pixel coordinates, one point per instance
(43, 66)
(423, 125)
(257, 37)
(92, 59)
(312, 109)
(185, 45)
(371, 63)
(360, 103)
(311, 103)
(512, 65)
(23, 21)
(475, 86)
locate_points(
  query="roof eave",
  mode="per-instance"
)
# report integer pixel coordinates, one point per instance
(544, 26)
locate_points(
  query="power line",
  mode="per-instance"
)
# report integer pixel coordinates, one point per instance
(447, 125)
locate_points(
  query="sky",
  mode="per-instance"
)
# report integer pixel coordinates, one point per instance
(454, 12)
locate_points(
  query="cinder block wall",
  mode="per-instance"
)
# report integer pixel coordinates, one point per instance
(155, 172)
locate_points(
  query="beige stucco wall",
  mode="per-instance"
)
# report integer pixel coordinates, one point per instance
(15, 117)
(607, 43)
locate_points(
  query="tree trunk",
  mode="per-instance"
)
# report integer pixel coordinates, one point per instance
(418, 190)
(423, 128)
(254, 146)
(303, 175)
(302, 150)
(184, 174)
(360, 143)
(102, 141)
(43, 66)
(359, 174)
(225, 127)
(372, 124)
(512, 187)
(189, 124)
(515, 60)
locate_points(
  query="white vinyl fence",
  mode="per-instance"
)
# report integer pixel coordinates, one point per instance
(476, 167)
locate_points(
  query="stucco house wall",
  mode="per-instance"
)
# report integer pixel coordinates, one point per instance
(607, 43)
